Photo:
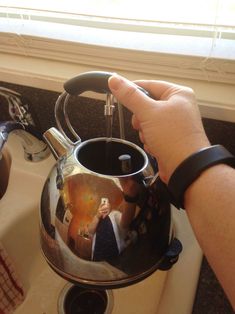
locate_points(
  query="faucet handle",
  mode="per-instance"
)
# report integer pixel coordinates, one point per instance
(18, 106)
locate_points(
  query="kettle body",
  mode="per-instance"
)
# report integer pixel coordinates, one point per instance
(104, 220)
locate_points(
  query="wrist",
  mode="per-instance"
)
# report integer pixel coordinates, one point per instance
(179, 155)
(98, 216)
(193, 166)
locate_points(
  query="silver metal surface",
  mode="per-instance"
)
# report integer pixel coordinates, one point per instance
(125, 161)
(69, 125)
(109, 106)
(58, 144)
(2, 141)
(103, 245)
(35, 149)
(61, 113)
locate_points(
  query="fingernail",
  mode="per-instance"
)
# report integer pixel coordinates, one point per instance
(115, 82)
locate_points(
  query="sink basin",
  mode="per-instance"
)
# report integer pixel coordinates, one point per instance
(163, 292)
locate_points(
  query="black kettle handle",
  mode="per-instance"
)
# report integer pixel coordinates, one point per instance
(94, 81)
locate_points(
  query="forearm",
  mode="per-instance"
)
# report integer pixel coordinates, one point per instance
(128, 213)
(209, 201)
(210, 206)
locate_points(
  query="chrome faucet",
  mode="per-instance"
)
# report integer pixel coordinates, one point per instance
(35, 149)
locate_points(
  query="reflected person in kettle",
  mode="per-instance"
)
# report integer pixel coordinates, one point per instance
(171, 129)
(110, 227)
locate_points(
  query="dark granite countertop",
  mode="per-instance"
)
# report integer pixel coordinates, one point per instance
(210, 297)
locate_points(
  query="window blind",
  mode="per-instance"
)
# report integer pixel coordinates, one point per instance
(43, 43)
(198, 17)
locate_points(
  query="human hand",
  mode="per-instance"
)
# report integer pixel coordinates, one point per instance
(103, 210)
(169, 125)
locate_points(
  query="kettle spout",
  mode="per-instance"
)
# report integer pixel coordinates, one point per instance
(57, 142)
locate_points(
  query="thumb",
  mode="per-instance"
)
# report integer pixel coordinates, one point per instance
(128, 94)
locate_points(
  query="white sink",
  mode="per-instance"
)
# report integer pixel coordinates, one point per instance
(162, 293)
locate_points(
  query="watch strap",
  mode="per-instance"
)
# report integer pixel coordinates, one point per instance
(131, 199)
(191, 168)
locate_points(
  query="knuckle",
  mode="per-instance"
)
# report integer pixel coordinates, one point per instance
(131, 93)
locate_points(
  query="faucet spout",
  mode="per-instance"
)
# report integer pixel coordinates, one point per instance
(35, 149)
(5, 129)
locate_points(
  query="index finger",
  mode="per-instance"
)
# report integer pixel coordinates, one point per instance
(128, 94)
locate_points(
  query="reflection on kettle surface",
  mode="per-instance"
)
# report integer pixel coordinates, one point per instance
(91, 232)
(90, 210)
(110, 237)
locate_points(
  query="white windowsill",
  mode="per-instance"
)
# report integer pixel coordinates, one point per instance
(45, 55)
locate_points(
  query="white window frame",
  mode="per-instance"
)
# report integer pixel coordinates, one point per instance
(45, 55)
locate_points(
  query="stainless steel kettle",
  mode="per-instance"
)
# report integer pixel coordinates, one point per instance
(105, 218)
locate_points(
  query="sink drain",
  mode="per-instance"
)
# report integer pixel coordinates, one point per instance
(77, 300)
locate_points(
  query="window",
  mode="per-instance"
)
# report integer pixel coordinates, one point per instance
(211, 19)
(181, 13)
(190, 42)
